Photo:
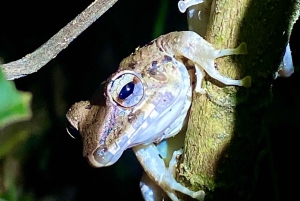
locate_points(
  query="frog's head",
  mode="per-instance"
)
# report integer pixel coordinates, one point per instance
(135, 109)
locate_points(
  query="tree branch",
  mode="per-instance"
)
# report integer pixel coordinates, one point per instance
(34, 61)
(226, 127)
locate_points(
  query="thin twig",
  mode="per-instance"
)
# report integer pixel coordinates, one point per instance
(33, 62)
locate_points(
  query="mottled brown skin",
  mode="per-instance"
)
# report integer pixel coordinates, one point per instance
(87, 119)
(160, 65)
(147, 60)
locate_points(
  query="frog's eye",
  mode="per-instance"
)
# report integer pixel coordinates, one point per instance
(126, 89)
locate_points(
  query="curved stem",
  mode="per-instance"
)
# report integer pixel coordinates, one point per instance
(34, 61)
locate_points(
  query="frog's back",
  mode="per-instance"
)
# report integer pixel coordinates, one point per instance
(143, 59)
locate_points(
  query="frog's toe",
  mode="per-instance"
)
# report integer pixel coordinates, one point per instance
(200, 90)
(246, 82)
(173, 161)
(185, 4)
(241, 49)
(199, 195)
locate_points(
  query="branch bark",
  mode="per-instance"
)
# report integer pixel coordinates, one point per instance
(226, 127)
(34, 61)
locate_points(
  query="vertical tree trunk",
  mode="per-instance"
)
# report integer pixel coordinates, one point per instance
(226, 134)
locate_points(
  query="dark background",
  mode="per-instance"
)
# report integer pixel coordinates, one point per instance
(52, 163)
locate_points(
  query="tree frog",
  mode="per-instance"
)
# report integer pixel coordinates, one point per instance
(146, 101)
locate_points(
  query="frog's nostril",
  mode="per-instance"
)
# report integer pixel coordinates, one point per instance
(73, 132)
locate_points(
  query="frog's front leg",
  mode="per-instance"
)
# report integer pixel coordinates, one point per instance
(192, 46)
(155, 168)
(150, 190)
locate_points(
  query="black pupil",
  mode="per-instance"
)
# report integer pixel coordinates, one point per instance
(126, 90)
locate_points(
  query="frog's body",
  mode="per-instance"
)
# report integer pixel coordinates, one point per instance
(146, 101)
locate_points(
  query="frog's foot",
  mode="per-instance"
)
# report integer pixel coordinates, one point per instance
(185, 4)
(172, 185)
(245, 82)
(199, 195)
(154, 166)
(192, 46)
(241, 49)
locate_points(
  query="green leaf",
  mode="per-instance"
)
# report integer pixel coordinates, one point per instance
(14, 105)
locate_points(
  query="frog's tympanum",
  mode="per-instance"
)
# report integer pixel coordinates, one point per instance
(146, 101)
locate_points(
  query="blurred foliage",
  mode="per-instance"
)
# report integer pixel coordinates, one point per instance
(14, 105)
(42, 161)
